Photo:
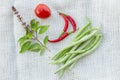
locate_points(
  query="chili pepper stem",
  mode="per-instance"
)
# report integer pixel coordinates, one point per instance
(62, 33)
(70, 32)
(62, 13)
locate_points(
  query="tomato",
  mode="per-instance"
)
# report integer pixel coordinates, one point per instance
(42, 11)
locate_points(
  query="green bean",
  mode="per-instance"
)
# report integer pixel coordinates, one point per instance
(85, 33)
(79, 56)
(79, 33)
(63, 53)
(60, 54)
(62, 72)
(65, 57)
(70, 51)
(86, 43)
(85, 38)
(80, 41)
(74, 48)
(61, 60)
(72, 65)
(92, 43)
(74, 53)
(88, 51)
(90, 46)
(82, 30)
(72, 56)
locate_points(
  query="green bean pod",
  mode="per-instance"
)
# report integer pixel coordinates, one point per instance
(79, 56)
(83, 29)
(77, 42)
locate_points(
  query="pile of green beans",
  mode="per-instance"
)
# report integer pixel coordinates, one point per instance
(86, 41)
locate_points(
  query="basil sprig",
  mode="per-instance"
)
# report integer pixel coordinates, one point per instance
(30, 41)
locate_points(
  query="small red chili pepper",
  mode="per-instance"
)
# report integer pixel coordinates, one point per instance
(66, 24)
(72, 21)
(61, 37)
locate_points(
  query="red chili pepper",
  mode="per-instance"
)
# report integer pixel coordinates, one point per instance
(61, 37)
(66, 22)
(72, 21)
(65, 33)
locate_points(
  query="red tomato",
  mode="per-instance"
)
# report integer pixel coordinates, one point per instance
(42, 11)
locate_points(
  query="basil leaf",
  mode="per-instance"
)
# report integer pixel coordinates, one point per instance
(43, 29)
(45, 40)
(42, 51)
(37, 24)
(27, 31)
(35, 47)
(36, 27)
(29, 35)
(32, 23)
(22, 40)
(25, 47)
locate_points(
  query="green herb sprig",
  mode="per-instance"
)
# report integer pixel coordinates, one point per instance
(30, 41)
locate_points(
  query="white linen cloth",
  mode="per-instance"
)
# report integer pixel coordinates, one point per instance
(8, 69)
(103, 64)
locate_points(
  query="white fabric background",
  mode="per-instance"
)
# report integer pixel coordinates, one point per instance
(103, 64)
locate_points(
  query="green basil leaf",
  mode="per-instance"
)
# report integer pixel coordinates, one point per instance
(37, 24)
(42, 51)
(29, 35)
(32, 23)
(35, 47)
(27, 31)
(43, 29)
(22, 40)
(36, 27)
(25, 47)
(45, 40)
